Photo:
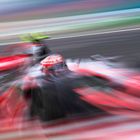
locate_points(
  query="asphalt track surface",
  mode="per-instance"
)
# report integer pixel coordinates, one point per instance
(126, 44)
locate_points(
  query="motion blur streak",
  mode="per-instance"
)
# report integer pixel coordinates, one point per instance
(72, 24)
(123, 103)
(90, 94)
(23, 9)
(105, 127)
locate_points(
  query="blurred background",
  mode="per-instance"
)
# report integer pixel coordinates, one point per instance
(15, 10)
(60, 17)
(77, 29)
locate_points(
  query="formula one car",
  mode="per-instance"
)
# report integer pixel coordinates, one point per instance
(102, 85)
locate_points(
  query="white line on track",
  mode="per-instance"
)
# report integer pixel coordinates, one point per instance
(97, 33)
(84, 34)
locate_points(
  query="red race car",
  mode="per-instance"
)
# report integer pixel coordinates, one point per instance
(107, 86)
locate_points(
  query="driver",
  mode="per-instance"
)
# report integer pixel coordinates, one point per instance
(54, 65)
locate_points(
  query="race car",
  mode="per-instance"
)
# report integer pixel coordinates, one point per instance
(109, 87)
(102, 84)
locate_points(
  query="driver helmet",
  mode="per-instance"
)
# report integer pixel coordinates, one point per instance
(53, 63)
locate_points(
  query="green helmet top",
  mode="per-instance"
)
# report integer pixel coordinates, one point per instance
(33, 36)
